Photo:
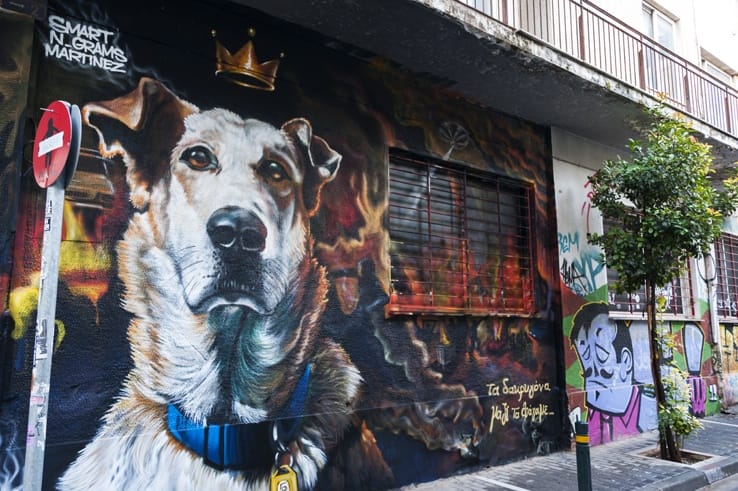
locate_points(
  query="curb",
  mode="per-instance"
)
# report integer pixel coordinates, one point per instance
(698, 475)
(688, 481)
(720, 469)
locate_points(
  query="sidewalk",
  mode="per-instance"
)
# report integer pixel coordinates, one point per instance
(615, 466)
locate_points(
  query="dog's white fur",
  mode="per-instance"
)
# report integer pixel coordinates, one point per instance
(187, 307)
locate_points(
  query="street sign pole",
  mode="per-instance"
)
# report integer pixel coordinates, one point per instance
(44, 345)
(55, 154)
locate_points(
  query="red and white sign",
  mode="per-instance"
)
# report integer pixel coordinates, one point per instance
(52, 143)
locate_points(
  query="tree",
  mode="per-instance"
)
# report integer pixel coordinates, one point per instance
(665, 208)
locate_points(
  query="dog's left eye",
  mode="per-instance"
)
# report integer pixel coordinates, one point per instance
(199, 158)
(273, 171)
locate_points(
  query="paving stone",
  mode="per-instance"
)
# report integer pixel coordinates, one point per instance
(616, 466)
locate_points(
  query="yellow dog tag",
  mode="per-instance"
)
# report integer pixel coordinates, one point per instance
(283, 479)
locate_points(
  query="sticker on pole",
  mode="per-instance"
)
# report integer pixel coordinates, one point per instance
(52, 144)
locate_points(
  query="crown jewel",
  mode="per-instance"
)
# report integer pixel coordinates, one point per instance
(243, 68)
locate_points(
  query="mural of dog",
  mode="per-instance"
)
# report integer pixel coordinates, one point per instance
(231, 378)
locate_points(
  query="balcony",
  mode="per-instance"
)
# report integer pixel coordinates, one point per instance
(562, 63)
(592, 36)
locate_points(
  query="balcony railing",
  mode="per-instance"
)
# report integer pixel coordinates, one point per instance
(588, 33)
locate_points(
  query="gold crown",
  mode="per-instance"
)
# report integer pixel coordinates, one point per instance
(243, 68)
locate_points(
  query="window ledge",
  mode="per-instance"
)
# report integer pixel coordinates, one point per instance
(638, 316)
(391, 310)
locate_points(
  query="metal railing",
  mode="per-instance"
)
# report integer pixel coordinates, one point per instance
(591, 35)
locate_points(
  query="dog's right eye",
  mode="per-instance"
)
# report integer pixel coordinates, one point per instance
(273, 171)
(199, 158)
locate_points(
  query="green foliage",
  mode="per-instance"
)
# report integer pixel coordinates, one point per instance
(674, 411)
(662, 203)
(663, 209)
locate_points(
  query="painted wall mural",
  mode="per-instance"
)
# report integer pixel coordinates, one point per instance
(617, 398)
(613, 368)
(225, 267)
(581, 268)
(608, 372)
(729, 345)
(728, 341)
(16, 35)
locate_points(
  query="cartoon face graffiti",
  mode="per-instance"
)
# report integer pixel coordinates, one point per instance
(606, 355)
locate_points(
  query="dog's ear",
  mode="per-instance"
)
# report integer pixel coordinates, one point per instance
(320, 161)
(142, 127)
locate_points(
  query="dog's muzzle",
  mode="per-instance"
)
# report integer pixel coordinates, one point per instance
(233, 230)
(239, 239)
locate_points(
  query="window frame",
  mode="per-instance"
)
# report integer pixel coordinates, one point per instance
(660, 79)
(716, 72)
(506, 191)
(650, 29)
(636, 307)
(722, 274)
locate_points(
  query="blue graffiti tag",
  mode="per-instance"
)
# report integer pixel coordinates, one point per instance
(580, 274)
(567, 241)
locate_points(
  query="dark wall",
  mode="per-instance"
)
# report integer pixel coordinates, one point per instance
(16, 37)
(388, 399)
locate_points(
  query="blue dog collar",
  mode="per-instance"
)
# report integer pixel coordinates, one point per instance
(240, 446)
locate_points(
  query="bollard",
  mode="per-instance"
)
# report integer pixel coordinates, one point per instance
(584, 467)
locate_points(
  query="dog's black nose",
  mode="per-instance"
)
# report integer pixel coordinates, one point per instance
(234, 228)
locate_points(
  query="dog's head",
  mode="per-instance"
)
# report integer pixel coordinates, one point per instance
(229, 199)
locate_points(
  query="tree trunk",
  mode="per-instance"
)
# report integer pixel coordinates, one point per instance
(667, 441)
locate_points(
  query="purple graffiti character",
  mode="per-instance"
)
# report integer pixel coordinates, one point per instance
(698, 388)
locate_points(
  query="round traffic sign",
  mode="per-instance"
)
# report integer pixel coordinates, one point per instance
(52, 143)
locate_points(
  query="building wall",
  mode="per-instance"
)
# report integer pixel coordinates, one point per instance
(16, 35)
(629, 11)
(729, 346)
(608, 375)
(728, 342)
(717, 30)
(389, 400)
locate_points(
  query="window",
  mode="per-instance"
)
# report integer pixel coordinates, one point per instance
(658, 27)
(710, 102)
(661, 76)
(678, 293)
(716, 72)
(726, 268)
(460, 240)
